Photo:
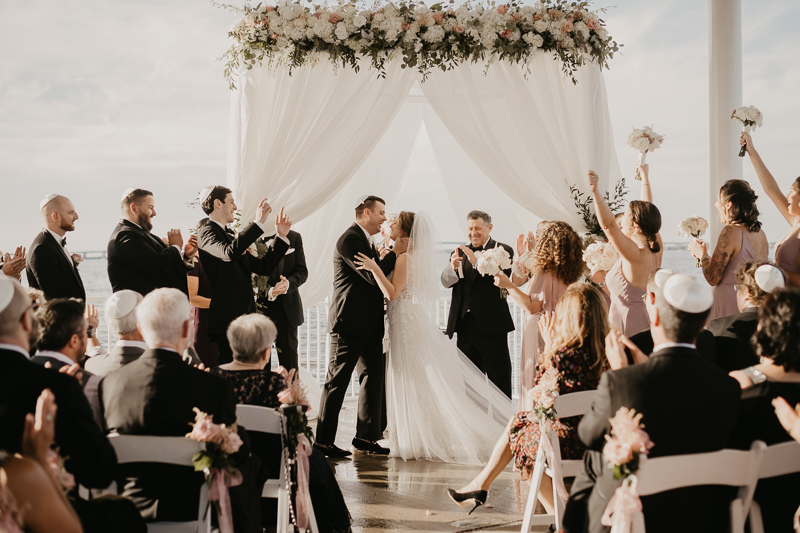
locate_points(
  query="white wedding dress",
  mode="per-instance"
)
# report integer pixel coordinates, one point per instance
(440, 407)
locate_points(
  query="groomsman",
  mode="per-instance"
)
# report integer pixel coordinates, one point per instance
(138, 260)
(283, 303)
(228, 264)
(50, 266)
(479, 314)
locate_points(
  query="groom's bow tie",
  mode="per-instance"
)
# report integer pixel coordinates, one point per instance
(63, 241)
(476, 248)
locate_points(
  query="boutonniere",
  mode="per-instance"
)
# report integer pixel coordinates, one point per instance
(77, 259)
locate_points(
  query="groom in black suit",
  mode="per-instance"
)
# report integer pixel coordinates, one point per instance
(355, 322)
(138, 260)
(479, 313)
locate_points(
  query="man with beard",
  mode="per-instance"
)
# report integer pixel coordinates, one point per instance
(138, 260)
(50, 267)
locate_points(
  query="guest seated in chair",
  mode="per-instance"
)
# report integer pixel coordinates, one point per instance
(251, 338)
(574, 348)
(777, 343)
(120, 313)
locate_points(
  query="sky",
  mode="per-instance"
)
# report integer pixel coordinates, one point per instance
(98, 96)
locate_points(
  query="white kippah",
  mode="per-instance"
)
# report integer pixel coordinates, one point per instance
(204, 193)
(7, 290)
(120, 304)
(769, 278)
(126, 192)
(47, 199)
(361, 200)
(687, 294)
(661, 276)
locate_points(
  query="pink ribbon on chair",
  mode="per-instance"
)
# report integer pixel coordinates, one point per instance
(218, 491)
(303, 499)
(544, 440)
(621, 507)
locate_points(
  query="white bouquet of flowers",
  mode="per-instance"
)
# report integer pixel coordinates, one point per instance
(523, 265)
(644, 140)
(693, 226)
(493, 261)
(750, 117)
(600, 256)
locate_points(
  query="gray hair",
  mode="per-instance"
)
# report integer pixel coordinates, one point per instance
(161, 316)
(475, 215)
(250, 336)
(126, 324)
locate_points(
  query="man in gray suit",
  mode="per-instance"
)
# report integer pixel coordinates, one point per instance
(120, 313)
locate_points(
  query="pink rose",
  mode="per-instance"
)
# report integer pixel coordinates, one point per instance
(270, 8)
(506, 34)
(503, 9)
(578, 15)
(617, 452)
(592, 24)
(536, 393)
(317, 14)
(567, 26)
(274, 36)
(458, 28)
(405, 26)
(553, 13)
(335, 18)
(537, 17)
(438, 17)
(204, 429)
(517, 16)
(286, 396)
(77, 259)
(231, 442)
(547, 399)
(640, 441)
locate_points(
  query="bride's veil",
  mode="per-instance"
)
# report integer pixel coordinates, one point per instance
(424, 243)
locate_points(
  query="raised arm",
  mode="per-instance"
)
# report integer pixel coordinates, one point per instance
(212, 243)
(768, 182)
(625, 246)
(647, 191)
(390, 289)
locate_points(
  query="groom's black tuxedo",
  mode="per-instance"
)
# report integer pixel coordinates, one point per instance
(689, 406)
(481, 318)
(355, 321)
(139, 261)
(50, 270)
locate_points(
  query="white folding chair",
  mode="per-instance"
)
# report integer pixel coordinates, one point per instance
(167, 450)
(779, 459)
(265, 420)
(734, 468)
(573, 404)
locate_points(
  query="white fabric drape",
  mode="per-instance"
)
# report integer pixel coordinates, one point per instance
(531, 137)
(298, 139)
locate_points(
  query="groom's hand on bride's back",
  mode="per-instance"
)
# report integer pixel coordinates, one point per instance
(400, 246)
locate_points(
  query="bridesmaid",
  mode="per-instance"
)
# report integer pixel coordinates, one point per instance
(741, 240)
(787, 252)
(558, 262)
(637, 243)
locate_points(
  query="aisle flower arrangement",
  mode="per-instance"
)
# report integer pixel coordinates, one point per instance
(291, 34)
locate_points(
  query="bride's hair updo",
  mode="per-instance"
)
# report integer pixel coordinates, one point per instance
(406, 221)
(559, 250)
(743, 209)
(648, 218)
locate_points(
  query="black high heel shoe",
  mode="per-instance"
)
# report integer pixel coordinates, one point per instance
(476, 497)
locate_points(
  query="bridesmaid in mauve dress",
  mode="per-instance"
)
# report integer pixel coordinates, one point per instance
(636, 241)
(741, 240)
(787, 252)
(558, 262)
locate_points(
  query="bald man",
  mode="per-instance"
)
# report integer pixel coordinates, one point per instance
(50, 266)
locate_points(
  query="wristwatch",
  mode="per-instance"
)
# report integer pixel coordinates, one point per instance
(602, 284)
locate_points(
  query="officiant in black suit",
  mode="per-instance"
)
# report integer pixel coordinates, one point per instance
(228, 263)
(355, 322)
(50, 266)
(479, 314)
(283, 304)
(138, 260)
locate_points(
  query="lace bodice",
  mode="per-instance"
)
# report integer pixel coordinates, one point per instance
(408, 290)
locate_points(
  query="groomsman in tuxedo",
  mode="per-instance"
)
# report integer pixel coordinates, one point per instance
(283, 303)
(229, 265)
(138, 260)
(698, 419)
(50, 266)
(479, 314)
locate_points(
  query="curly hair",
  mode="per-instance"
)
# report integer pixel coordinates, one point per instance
(406, 221)
(648, 218)
(746, 276)
(777, 336)
(559, 250)
(743, 209)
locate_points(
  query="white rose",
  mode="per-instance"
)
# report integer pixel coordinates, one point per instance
(540, 26)
(360, 21)
(642, 144)
(341, 31)
(435, 34)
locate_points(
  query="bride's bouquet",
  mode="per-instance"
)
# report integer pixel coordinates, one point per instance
(644, 140)
(600, 256)
(493, 261)
(751, 118)
(523, 265)
(693, 226)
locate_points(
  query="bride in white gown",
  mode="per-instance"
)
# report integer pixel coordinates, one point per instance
(440, 407)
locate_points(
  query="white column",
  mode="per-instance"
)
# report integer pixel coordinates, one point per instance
(724, 95)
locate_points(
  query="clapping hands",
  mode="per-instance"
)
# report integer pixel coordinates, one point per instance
(471, 257)
(282, 224)
(281, 287)
(13, 266)
(616, 343)
(190, 248)
(789, 418)
(37, 437)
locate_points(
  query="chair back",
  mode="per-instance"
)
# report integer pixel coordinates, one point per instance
(780, 459)
(574, 403)
(259, 419)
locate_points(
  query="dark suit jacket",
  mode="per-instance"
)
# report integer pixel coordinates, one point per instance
(357, 303)
(706, 345)
(689, 406)
(89, 382)
(732, 334)
(229, 268)
(139, 261)
(288, 306)
(155, 395)
(118, 357)
(481, 297)
(90, 457)
(49, 269)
